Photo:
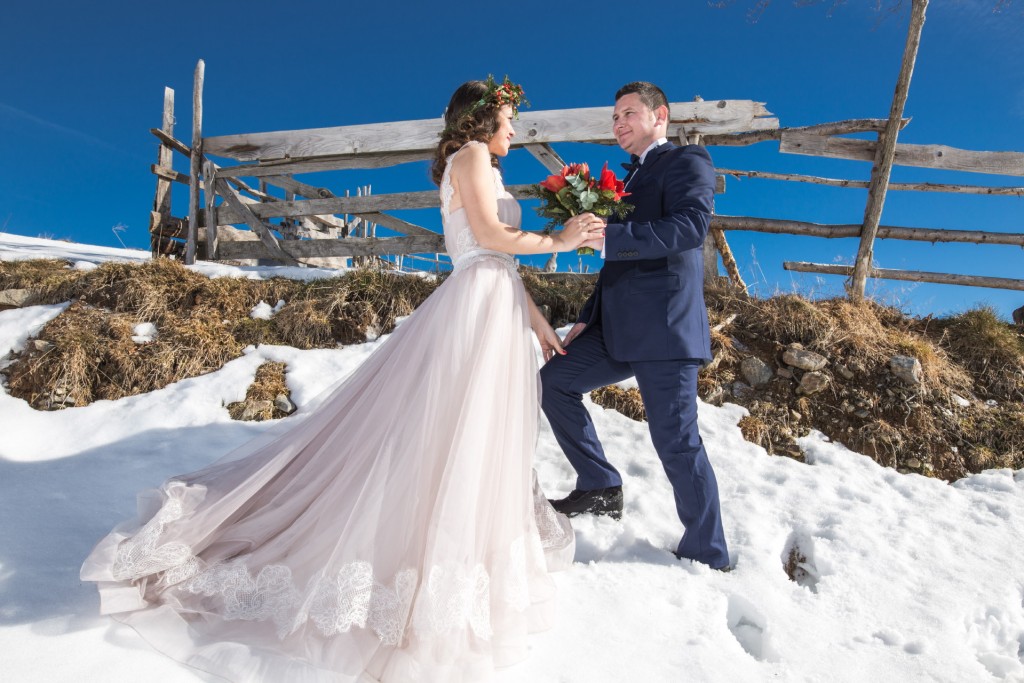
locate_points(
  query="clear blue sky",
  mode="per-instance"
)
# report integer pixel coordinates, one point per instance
(83, 84)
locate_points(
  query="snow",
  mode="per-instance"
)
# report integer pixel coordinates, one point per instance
(264, 311)
(905, 578)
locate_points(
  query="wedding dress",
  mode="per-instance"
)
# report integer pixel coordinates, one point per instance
(392, 531)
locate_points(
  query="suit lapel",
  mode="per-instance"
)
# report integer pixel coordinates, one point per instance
(650, 161)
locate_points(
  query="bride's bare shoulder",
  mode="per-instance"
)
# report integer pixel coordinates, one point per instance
(471, 159)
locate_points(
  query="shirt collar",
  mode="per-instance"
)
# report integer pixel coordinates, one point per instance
(656, 143)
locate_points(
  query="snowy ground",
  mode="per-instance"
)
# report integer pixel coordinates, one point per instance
(907, 578)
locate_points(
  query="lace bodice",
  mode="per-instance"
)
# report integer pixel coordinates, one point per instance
(458, 237)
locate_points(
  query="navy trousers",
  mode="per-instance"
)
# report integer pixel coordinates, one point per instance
(669, 392)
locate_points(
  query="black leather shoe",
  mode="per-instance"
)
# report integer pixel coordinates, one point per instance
(597, 502)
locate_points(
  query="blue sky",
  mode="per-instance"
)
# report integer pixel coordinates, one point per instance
(83, 84)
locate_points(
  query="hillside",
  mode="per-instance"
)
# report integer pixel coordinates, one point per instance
(940, 397)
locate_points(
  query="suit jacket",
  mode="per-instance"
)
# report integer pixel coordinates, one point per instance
(649, 296)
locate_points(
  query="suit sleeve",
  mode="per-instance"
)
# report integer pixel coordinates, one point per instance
(688, 192)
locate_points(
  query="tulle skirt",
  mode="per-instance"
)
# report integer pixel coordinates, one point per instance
(392, 531)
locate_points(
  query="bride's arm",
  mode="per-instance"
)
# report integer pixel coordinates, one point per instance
(472, 176)
(550, 344)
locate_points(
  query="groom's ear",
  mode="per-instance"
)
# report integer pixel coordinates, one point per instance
(661, 115)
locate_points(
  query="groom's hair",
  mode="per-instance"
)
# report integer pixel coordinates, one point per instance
(650, 94)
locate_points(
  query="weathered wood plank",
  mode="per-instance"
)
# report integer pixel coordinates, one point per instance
(547, 156)
(567, 125)
(196, 162)
(171, 141)
(863, 184)
(885, 154)
(209, 171)
(330, 163)
(787, 227)
(926, 156)
(352, 246)
(833, 128)
(164, 158)
(245, 211)
(909, 275)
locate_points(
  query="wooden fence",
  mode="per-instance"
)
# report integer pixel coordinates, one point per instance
(344, 226)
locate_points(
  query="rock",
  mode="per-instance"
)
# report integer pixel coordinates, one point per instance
(741, 390)
(739, 346)
(715, 396)
(805, 360)
(42, 345)
(907, 369)
(794, 415)
(755, 371)
(845, 372)
(913, 463)
(784, 372)
(862, 413)
(812, 383)
(284, 404)
(961, 401)
(15, 298)
(255, 410)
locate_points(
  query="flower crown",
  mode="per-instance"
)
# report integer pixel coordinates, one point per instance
(498, 94)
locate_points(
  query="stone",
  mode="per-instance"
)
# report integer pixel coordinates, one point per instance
(755, 371)
(255, 410)
(913, 463)
(15, 298)
(812, 383)
(715, 396)
(42, 345)
(741, 390)
(862, 413)
(795, 415)
(284, 404)
(784, 372)
(907, 369)
(846, 373)
(805, 360)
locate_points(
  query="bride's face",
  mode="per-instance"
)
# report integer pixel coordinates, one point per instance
(502, 139)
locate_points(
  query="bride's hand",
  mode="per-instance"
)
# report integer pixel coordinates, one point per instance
(579, 229)
(550, 343)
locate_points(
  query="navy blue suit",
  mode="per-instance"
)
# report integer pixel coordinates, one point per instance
(647, 318)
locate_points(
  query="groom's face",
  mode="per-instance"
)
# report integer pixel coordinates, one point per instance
(634, 125)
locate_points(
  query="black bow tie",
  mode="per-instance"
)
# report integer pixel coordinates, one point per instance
(634, 163)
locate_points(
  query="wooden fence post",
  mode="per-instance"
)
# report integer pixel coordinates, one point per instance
(161, 213)
(195, 169)
(886, 152)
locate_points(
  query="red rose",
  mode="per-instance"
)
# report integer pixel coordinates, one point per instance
(554, 183)
(577, 170)
(610, 183)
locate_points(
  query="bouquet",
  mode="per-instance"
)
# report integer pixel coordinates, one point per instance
(575, 191)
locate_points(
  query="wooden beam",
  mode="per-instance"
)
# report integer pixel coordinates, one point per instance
(863, 184)
(209, 171)
(196, 162)
(351, 246)
(886, 153)
(547, 156)
(924, 156)
(568, 125)
(834, 128)
(171, 141)
(164, 158)
(910, 275)
(245, 211)
(933, 235)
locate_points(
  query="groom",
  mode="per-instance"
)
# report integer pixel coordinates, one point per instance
(646, 318)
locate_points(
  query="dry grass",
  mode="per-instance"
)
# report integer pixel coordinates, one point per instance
(87, 354)
(260, 397)
(626, 401)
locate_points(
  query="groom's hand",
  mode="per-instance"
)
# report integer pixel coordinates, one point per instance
(573, 333)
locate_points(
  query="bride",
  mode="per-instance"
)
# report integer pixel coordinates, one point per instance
(394, 531)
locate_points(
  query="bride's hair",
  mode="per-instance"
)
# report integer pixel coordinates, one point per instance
(465, 120)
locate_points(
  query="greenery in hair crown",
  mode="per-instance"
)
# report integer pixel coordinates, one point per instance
(498, 94)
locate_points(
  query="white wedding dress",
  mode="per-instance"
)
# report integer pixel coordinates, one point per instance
(391, 531)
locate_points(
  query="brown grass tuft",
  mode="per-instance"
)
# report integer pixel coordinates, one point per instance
(258, 405)
(626, 401)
